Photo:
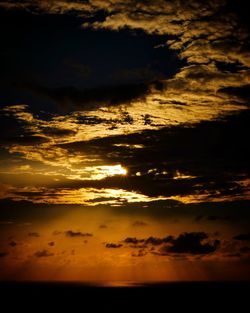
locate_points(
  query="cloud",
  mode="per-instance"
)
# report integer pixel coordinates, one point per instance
(103, 226)
(139, 224)
(211, 218)
(113, 245)
(56, 233)
(155, 138)
(88, 196)
(90, 99)
(242, 237)
(71, 233)
(140, 253)
(57, 132)
(242, 92)
(186, 243)
(148, 241)
(133, 240)
(82, 159)
(245, 250)
(203, 34)
(43, 253)
(3, 254)
(217, 218)
(51, 243)
(197, 151)
(46, 6)
(33, 234)
(191, 243)
(24, 141)
(12, 244)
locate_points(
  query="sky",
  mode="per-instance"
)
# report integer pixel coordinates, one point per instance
(124, 150)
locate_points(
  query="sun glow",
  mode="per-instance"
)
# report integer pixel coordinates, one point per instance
(100, 172)
(115, 170)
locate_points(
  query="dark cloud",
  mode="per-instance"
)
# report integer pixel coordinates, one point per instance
(212, 218)
(3, 254)
(57, 132)
(198, 218)
(89, 99)
(242, 237)
(12, 244)
(186, 243)
(133, 240)
(102, 226)
(233, 255)
(23, 140)
(43, 253)
(245, 250)
(191, 243)
(217, 218)
(158, 241)
(139, 224)
(56, 232)
(150, 240)
(140, 253)
(51, 243)
(33, 234)
(138, 75)
(242, 92)
(71, 233)
(113, 245)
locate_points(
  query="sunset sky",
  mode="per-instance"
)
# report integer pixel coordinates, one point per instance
(124, 140)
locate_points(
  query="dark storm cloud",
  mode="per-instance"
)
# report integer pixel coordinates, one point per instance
(43, 253)
(23, 140)
(202, 33)
(242, 237)
(51, 243)
(33, 234)
(113, 245)
(90, 99)
(71, 233)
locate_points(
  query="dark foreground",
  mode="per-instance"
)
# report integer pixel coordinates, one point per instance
(198, 296)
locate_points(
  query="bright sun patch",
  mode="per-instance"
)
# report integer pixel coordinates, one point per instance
(114, 170)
